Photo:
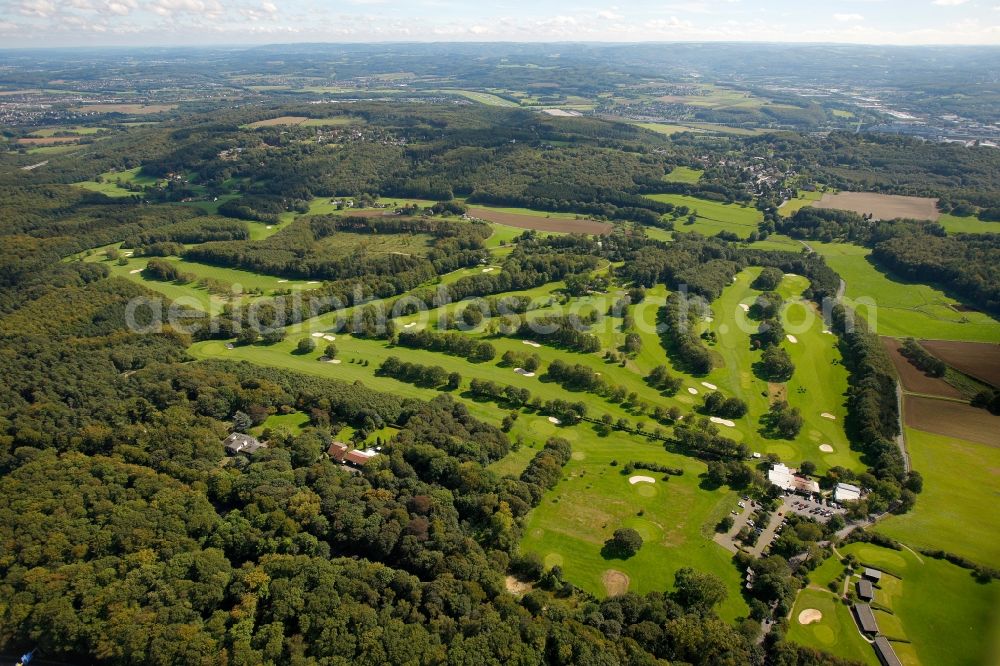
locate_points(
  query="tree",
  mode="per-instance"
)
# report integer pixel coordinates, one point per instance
(768, 280)
(698, 591)
(305, 346)
(242, 422)
(331, 351)
(625, 543)
(454, 381)
(775, 364)
(807, 467)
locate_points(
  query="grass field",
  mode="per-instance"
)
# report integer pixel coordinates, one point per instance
(293, 423)
(668, 129)
(802, 199)
(129, 109)
(571, 524)
(904, 309)
(714, 216)
(950, 618)
(953, 512)
(817, 387)
(967, 225)
(482, 97)
(683, 174)
(108, 184)
(836, 632)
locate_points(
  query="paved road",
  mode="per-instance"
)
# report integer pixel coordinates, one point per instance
(728, 540)
(765, 538)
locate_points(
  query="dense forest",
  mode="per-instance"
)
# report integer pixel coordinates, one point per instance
(128, 536)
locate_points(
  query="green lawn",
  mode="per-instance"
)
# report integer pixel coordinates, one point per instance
(293, 423)
(802, 199)
(683, 174)
(191, 294)
(967, 225)
(836, 632)
(817, 387)
(954, 512)
(594, 499)
(713, 216)
(903, 309)
(108, 184)
(950, 618)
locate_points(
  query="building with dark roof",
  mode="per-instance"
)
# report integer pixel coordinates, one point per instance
(886, 655)
(865, 590)
(240, 443)
(866, 619)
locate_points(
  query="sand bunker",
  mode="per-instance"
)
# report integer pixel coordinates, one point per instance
(693, 391)
(313, 282)
(615, 582)
(725, 422)
(709, 320)
(329, 338)
(744, 307)
(282, 281)
(335, 361)
(792, 338)
(553, 419)
(270, 226)
(523, 372)
(790, 275)
(712, 387)
(411, 324)
(488, 270)
(641, 479)
(826, 448)
(810, 616)
(531, 344)
(317, 335)
(828, 415)
(827, 332)
(138, 270)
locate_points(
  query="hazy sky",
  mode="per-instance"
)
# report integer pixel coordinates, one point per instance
(158, 22)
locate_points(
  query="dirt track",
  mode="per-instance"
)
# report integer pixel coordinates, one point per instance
(562, 225)
(882, 206)
(952, 419)
(913, 379)
(976, 359)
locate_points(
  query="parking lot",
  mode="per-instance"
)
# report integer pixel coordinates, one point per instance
(820, 510)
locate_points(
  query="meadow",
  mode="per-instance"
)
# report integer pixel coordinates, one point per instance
(683, 174)
(713, 216)
(903, 309)
(952, 512)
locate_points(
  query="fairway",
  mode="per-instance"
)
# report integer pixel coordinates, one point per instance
(952, 512)
(903, 309)
(818, 385)
(594, 499)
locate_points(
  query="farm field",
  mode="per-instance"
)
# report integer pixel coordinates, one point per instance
(952, 512)
(129, 109)
(882, 206)
(979, 360)
(913, 378)
(935, 599)
(303, 121)
(47, 140)
(713, 216)
(951, 418)
(540, 221)
(903, 309)
(835, 632)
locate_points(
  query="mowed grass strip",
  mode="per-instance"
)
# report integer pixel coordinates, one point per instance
(954, 511)
(903, 309)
